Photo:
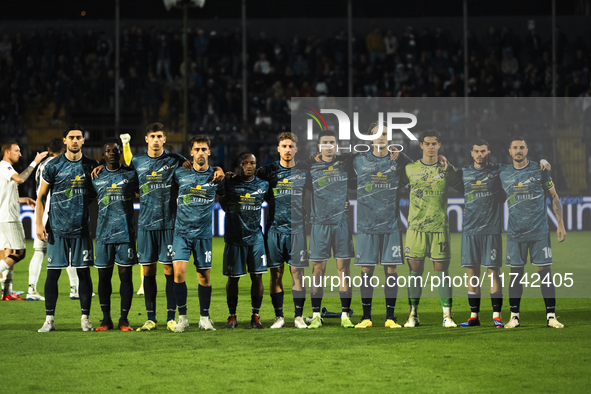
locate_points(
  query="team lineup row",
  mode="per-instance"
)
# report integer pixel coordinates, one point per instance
(176, 203)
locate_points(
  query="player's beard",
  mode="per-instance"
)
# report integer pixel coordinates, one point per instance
(519, 159)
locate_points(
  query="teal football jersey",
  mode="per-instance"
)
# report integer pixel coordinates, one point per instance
(286, 202)
(115, 193)
(195, 202)
(243, 210)
(71, 192)
(526, 191)
(158, 191)
(483, 199)
(329, 185)
(378, 180)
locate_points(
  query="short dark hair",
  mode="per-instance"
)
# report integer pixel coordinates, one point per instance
(56, 145)
(326, 133)
(75, 126)
(154, 127)
(111, 140)
(8, 146)
(430, 133)
(242, 156)
(374, 125)
(200, 138)
(287, 135)
(480, 142)
(517, 138)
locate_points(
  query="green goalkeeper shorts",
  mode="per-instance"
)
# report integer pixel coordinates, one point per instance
(420, 245)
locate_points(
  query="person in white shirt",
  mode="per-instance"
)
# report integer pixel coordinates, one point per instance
(12, 233)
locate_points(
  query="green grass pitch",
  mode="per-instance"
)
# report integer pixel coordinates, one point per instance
(429, 358)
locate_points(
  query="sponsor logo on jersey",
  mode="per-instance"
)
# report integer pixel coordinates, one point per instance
(479, 186)
(198, 190)
(154, 177)
(247, 199)
(330, 171)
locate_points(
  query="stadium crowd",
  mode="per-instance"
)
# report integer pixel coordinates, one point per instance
(76, 70)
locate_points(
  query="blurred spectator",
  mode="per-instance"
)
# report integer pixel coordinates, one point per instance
(391, 47)
(210, 110)
(375, 45)
(5, 48)
(201, 46)
(509, 64)
(262, 66)
(104, 49)
(61, 94)
(153, 96)
(174, 108)
(163, 57)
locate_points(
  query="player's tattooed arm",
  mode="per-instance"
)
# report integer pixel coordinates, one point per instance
(188, 165)
(544, 165)
(218, 174)
(557, 209)
(41, 200)
(97, 170)
(22, 177)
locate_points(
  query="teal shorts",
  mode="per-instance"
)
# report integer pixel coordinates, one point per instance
(327, 237)
(66, 252)
(374, 248)
(290, 248)
(540, 252)
(200, 247)
(240, 260)
(153, 246)
(124, 255)
(485, 250)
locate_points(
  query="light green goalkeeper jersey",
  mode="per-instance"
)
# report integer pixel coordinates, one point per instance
(428, 195)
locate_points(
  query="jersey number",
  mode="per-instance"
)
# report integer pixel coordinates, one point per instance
(302, 255)
(130, 253)
(87, 256)
(170, 253)
(264, 257)
(443, 247)
(208, 257)
(493, 254)
(395, 251)
(548, 252)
